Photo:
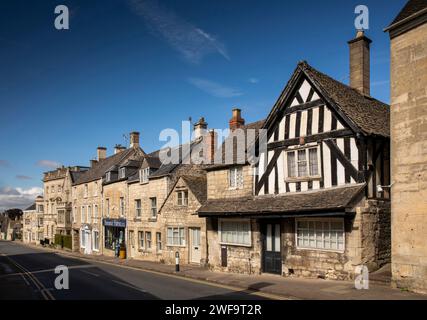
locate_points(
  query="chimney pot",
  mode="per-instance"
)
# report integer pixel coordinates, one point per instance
(360, 63)
(134, 139)
(236, 121)
(118, 148)
(200, 128)
(101, 153)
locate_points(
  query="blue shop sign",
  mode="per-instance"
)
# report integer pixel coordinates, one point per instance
(118, 223)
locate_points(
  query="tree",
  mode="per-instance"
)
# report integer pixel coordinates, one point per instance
(13, 213)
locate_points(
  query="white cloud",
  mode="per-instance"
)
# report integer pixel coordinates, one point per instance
(18, 197)
(48, 164)
(214, 89)
(190, 41)
(253, 80)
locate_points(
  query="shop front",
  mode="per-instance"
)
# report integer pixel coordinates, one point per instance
(114, 234)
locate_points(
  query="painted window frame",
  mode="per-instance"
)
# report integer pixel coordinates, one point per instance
(307, 157)
(183, 198)
(159, 242)
(220, 231)
(153, 209)
(141, 236)
(93, 240)
(322, 220)
(181, 236)
(122, 207)
(143, 175)
(138, 208)
(122, 173)
(233, 173)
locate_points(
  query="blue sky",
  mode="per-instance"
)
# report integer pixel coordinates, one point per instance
(146, 65)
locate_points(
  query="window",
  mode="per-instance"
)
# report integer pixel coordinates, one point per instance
(40, 222)
(61, 216)
(82, 238)
(148, 240)
(95, 212)
(122, 173)
(153, 202)
(89, 214)
(303, 164)
(122, 206)
(40, 208)
(138, 208)
(95, 189)
(75, 193)
(74, 214)
(52, 189)
(47, 190)
(107, 207)
(108, 176)
(176, 236)
(158, 241)
(235, 232)
(85, 190)
(83, 214)
(236, 178)
(95, 236)
(143, 175)
(59, 188)
(141, 239)
(321, 234)
(182, 198)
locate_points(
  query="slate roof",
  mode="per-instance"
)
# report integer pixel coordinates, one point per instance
(370, 115)
(412, 7)
(198, 186)
(32, 207)
(236, 157)
(100, 168)
(336, 199)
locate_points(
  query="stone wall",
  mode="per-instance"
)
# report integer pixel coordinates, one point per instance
(218, 184)
(182, 216)
(240, 259)
(409, 158)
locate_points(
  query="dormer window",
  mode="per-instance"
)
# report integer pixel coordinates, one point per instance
(122, 173)
(182, 197)
(108, 177)
(143, 175)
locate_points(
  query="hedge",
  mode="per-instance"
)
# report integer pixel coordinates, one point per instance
(66, 240)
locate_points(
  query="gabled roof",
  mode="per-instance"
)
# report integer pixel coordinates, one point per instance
(100, 168)
(411, 8)
(197, 184)
(362, 113)
(320, 201)
(30, 208)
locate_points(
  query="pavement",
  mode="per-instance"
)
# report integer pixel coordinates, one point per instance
(214, 285)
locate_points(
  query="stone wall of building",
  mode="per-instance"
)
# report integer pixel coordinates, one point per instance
(240, 259)
(92, 198)
(155, 188)
(174, 215)
(409, 158)
(218, 184)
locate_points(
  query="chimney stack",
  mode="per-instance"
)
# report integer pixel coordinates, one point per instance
(212, 139)
(92, 163)
(134, 139)
(236, 121)
(101, 153)
(200, 128)
(360, 63)
(118, 148)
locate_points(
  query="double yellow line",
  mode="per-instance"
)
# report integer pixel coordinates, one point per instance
(40, 287)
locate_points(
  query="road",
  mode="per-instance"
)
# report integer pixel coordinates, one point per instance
(27, 273)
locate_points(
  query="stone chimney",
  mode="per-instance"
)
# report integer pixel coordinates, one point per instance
(134, 139)
(101, 153)
(93, 162)
(236, 121)
(200, 128)
(118, 148)
(212, 140)
(360, 78)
